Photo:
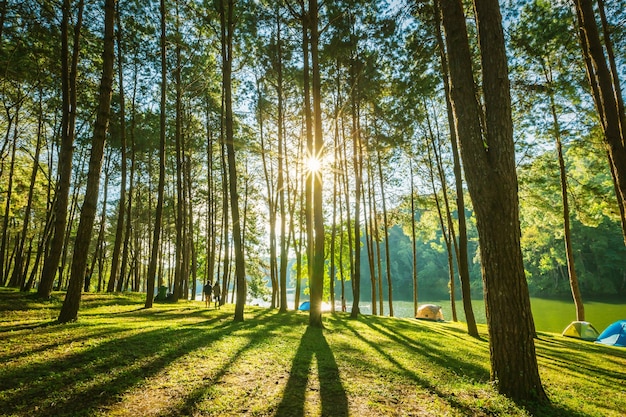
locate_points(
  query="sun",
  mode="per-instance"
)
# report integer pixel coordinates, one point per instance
(313, 164)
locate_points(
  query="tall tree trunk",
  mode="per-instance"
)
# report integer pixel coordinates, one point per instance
(131, 185)
(280, 184)
(317, 279)
(386, 231)
(271, 205)
(4, 268)
(413, 240)
(451, 241)
(116, 276)
(191, 258)
(308, 121)
(298, 245)
(158, 214)
(181, 209)
(346, 197)
(335, 258)
(370, 235)
(607, 96)
(7, 136)
(211, 217)
(462, 260)
(445, 230)
(100, 244)
(227, 9)
(69, 311)
(42, 248)
(567, 234)
(357, 162)
(19, 272)
(492, 183)
(79, 173)
(225, 247)
(68, 122)
(373, 241)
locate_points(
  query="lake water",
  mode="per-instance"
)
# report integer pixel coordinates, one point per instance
(550, 315)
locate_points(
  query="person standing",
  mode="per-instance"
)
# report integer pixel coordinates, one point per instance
(217, 294)
(207, 290)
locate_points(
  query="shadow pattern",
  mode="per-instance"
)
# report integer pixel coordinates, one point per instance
(334, 401)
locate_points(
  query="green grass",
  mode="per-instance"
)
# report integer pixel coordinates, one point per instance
(185, 360)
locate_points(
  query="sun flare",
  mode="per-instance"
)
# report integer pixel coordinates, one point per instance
(313, 164)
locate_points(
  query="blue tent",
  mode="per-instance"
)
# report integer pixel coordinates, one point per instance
(306, 306)
(614, 335)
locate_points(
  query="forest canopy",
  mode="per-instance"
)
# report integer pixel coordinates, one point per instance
(386, 161)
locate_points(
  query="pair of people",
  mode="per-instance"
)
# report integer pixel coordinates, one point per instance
(212, 290)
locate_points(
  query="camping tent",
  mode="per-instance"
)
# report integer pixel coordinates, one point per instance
(614, 335)
(305, 306)
(581, 330)
(429, 312)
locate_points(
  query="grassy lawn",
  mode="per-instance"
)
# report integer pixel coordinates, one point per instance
(185, 360)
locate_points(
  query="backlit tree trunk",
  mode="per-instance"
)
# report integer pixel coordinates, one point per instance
(317, 277)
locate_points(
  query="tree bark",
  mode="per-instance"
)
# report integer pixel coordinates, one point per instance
(317, 278)
(386, 232)
(280, 183)
(18, 270)
(4, 269)
(227, 9)
(68, 122)
(116, 274)
(99, 249)
(606, 93)
(462, 260)
(413, 240)
(69, 311)
(181, 210)
(131, 185)
(492, 183)
(158, 214)
(446, 233)
(567, 233)
(357, 162)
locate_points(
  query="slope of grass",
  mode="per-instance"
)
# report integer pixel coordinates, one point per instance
(185, 360)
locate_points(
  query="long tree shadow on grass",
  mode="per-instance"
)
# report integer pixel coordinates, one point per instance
(265, 324)
(334, 400)
(430, 386)
(457, 364)
(88, 379)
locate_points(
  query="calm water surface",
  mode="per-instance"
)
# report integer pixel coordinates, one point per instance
(550, 315)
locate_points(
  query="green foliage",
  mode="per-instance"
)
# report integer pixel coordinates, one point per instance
(257, 284)
(596, 237)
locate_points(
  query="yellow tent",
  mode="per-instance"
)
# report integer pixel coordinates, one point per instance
(581, 330)
(430, 312)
